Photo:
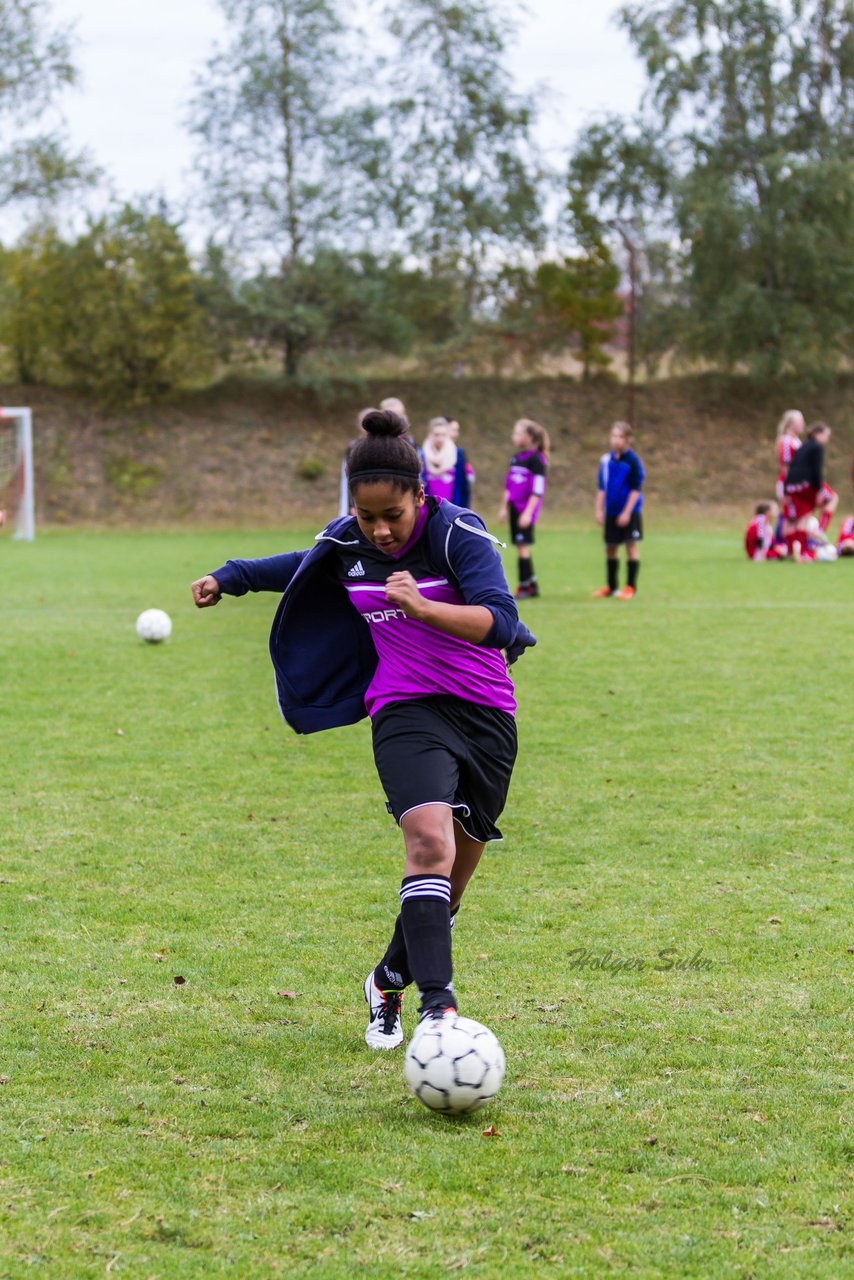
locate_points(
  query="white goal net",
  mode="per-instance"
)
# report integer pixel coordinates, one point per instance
(17, 493)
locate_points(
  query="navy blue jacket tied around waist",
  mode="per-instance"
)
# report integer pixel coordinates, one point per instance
(320, 645)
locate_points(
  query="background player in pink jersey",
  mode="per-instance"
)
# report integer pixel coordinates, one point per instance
(524, 489)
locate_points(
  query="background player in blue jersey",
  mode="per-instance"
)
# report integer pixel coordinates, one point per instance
(619, 500)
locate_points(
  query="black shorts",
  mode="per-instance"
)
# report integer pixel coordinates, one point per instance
(615, 533)
(520, 537)
(443, 750)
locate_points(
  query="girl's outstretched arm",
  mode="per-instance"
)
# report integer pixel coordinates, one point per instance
(206, 592)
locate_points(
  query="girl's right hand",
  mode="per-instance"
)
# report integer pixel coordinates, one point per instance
(206, 592)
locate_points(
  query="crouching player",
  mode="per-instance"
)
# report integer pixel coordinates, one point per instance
(760, 539)
(845, 543)
(400, 613)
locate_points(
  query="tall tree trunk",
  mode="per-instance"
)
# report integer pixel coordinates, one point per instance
(291, 362)
(286, 108)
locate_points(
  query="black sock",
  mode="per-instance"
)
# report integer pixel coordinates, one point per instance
(392, 972)
(524, 570)
(425, 912)
(634, 565)
(532, 577)
(613, 573)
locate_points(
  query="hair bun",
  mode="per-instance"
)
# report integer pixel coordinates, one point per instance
(383, 422)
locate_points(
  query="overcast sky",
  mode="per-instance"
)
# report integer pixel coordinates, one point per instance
(137, 62)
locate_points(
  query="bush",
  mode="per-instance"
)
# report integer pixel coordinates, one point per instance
(311, 469)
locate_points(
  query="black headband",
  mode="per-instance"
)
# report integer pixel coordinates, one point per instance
(383, 471)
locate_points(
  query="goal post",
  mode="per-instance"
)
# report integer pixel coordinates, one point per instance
(16, 469)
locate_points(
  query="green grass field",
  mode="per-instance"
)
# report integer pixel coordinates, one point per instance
(682, 786)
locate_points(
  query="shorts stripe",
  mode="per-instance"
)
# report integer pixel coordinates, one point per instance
(426, 804)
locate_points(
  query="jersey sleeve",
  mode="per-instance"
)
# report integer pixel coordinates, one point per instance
(750, 540)
(636, 472)
(272, 573)
(538, 468)
(474, 560)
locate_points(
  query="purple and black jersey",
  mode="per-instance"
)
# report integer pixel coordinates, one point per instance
(414, 659)
(526, 476)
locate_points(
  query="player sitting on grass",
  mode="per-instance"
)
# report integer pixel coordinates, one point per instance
(845, 542)
(619, 501)
(401, 612)
(760, 539)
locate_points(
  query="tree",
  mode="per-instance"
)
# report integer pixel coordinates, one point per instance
(573, 303)
(619, 192)
(36, 67)
(464, 173)
(288, 157)
(216, 288)
(128, 328)
(344, 304)
(30, 310)
(757, 100)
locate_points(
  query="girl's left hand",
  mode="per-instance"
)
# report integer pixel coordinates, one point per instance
(524, 521)
(402, 589)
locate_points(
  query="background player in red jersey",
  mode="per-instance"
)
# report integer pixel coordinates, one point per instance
(790, 428)
(827, 502)
(845, 543)
(804, 485)
(759, 538)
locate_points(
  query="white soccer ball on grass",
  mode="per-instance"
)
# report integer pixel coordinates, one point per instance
(154, 626)
(827, 553)
(453, 1064)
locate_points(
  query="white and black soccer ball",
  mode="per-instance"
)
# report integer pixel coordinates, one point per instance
(827, 553)
(453, 1064)
(154, 626)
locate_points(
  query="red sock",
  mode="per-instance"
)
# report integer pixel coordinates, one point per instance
(824, 520)
(791, 539)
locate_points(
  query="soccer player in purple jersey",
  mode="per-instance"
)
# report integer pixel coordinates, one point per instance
(402, 612)
(523, 496)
